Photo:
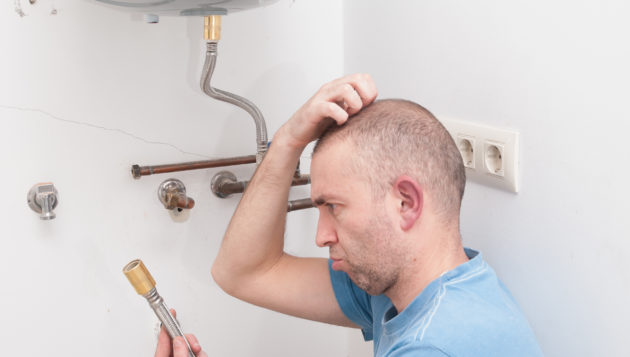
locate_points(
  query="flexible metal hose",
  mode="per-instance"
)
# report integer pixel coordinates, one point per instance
(245, 104)
(144, 284)
(168, 321)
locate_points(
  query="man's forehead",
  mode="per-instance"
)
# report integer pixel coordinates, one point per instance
(333, 176)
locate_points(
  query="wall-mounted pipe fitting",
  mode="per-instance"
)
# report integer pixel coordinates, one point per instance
(42, 198)
(212, 28)
(224, 183)
(222, 179)
(172, 194)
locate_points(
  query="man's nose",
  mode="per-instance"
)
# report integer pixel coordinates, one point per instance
(326, 233)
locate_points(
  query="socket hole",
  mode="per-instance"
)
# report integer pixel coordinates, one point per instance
(466, 150)
(132, 264)
(494, 160)
(179, 209)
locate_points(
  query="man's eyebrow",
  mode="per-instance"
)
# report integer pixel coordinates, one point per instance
(319, 201)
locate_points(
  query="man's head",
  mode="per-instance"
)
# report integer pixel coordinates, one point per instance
(397, 137)
(375, 178)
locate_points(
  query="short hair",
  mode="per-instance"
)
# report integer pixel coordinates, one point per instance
(393, 137)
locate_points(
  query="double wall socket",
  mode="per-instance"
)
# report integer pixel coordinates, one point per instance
(490, 154)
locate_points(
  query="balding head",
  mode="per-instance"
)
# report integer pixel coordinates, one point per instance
(396, 137)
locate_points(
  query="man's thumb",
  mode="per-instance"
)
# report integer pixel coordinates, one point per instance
(179, 347)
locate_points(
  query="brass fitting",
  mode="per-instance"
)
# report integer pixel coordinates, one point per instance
(139, 276)
(212, 28)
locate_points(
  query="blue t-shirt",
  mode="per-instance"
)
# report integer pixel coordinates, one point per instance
(465, 312)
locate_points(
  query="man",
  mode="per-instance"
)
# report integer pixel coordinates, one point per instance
(388, 184)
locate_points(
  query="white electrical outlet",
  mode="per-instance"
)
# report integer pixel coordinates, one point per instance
(490, 155)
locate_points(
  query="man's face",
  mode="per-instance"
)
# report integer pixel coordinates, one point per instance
(355, 227)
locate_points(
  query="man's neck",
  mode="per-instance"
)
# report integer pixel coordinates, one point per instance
(423, 268)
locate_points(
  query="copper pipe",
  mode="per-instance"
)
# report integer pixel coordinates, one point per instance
(227, 188)
(138, 171)
(300, 204)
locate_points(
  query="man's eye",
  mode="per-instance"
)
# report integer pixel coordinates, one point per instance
(331, 207)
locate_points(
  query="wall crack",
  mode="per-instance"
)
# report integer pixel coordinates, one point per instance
(94, 126)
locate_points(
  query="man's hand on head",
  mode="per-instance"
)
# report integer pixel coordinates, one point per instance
(177, 347)
(334, 102)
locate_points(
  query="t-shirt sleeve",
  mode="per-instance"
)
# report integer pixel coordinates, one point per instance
(355, 303)
(417, 349)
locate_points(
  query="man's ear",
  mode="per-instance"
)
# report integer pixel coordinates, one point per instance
(410, 196)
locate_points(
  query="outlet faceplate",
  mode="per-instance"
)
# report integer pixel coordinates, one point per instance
(494, 160)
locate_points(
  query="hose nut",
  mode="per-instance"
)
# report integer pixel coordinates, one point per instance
(212, 28)
(139, 276)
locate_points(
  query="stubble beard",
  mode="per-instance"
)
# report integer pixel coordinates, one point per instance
(378, 265)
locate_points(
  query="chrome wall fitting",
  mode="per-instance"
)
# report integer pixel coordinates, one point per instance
(219, 180)
(42, 198)
(172, 194)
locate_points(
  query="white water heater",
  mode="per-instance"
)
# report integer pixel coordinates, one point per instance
(185, 7)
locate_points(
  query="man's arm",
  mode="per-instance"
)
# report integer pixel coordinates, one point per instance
(251, 264)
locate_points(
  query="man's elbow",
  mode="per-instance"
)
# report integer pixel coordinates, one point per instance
(222, 278)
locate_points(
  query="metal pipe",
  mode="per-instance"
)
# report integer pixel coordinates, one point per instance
(224, 183)
(144, 284)
(138, 171)
(300, 204)
(229, 188)
(245, 104)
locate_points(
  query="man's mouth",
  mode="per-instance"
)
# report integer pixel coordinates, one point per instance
(336, 263)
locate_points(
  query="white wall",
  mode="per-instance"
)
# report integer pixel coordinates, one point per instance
(89, 92)
(557, 72)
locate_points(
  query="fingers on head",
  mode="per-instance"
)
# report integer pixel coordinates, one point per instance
(346, 98)
(352, 92)
(350, 100)
(363, 84)
(334, 111)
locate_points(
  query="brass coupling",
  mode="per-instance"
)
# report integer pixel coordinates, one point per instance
(212, 28)
(139, 276)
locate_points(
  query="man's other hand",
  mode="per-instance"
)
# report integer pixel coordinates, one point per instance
(178, 346)
(334, 102)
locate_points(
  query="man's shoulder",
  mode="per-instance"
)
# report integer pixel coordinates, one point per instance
(476, 312)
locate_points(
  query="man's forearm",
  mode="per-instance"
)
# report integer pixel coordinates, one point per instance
(254, 239)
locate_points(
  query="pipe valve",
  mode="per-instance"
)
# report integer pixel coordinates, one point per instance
(172, 194)
(42, 198)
